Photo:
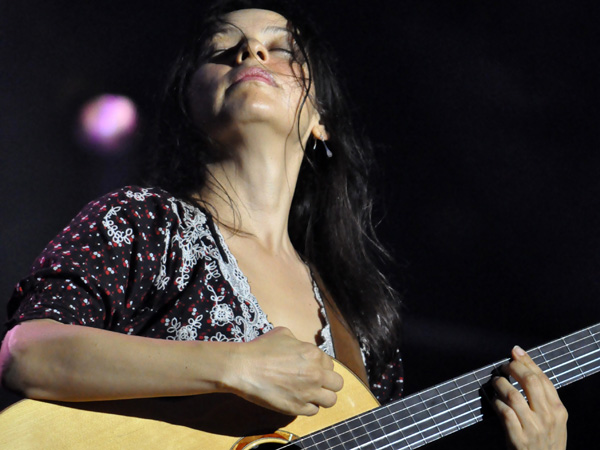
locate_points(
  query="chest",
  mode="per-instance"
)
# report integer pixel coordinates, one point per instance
(285, 292)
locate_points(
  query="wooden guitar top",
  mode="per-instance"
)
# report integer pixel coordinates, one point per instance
(211, 421)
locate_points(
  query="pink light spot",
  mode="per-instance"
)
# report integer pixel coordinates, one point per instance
(107, 123)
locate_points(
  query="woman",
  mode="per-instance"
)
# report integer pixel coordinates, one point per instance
(257, 245)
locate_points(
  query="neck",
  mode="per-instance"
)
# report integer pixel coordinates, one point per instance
(251, 192)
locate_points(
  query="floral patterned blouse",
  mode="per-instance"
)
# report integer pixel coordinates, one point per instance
(139, 261)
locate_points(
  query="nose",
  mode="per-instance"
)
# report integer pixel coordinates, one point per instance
(252, 48)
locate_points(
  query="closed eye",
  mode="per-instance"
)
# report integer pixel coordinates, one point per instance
(221, 53)
(285, 52)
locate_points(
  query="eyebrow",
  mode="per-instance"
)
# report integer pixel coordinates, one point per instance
(274, 30)
(271, 29)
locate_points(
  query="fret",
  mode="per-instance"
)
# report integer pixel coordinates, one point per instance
(377, 434)
(470, 393)
(447, 395)
(443, 419)
(355, 427)
(413, 440)
(319, 441)
(594, 335)
(585, 348)
(539, 358)
(572, 355)
(446, 390)
(346, 434)
(458, 407)
(408, 435)
(560, 350)
(562, 364)
(585, 342)
(545, 351)
(364, 439)
(419, 412)
(399, 415)
(307, 442)
(463, 412)
(567, 367)
(425, 422)
(445, 415)
(434, 408)
(428, 397)
(414, 429)
(574, 338)
(389, 425)
(484, 374)
(368, 445)
(535, 353)
(410, 429)
(407, 425)
(331, 437)
(589, 363)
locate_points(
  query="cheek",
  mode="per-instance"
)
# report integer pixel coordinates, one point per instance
(204, 95)
(292, 83)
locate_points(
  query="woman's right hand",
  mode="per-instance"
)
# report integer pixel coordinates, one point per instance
(281, 373)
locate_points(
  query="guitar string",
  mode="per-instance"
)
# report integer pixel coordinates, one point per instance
(466, 403)
(476, 418)
(563, 345)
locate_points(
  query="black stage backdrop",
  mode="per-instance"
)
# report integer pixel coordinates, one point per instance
(486, 118)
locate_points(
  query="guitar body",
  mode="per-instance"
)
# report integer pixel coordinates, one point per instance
(226, 422)
(212, 421)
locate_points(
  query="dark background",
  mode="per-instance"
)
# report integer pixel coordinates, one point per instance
(486, 116)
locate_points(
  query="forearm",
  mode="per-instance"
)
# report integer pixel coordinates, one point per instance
(47, 360)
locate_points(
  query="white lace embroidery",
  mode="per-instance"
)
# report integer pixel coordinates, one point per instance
(117, 236)
(161, 281)
(221, 314)
(197, 242)
(253, 319)
(327, 344)
(139, 196)
(187, 332)
(212, 271)
(189, 240)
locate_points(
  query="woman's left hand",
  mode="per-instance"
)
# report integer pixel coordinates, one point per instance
(538, 422)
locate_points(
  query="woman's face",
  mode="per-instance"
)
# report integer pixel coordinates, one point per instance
(245, 78)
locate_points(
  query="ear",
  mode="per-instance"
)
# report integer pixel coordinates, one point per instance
(320, 132)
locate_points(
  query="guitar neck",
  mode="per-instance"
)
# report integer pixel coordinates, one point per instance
(448, 407)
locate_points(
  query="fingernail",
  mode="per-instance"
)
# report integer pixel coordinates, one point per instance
(519, 351)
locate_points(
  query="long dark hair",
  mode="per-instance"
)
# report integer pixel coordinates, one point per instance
(330, 222)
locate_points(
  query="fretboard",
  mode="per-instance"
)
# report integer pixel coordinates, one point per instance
(448, 407)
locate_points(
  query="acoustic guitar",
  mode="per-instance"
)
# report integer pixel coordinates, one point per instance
(355, 422)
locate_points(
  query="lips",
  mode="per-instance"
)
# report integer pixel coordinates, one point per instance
(254, 74)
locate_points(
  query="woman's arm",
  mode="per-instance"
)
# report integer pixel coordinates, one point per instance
(540, 422)
(48, 360)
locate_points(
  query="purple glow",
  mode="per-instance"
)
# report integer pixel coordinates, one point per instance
(108, 122)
